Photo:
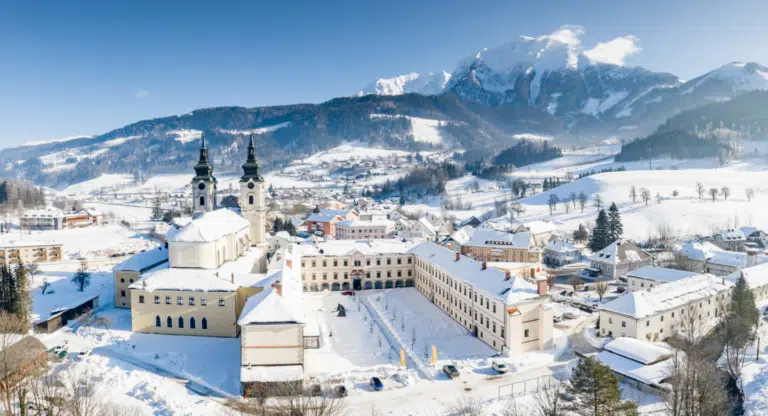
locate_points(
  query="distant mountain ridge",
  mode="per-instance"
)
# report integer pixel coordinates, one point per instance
(413, 83)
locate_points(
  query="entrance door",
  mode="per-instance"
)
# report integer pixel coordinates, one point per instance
(356, 284)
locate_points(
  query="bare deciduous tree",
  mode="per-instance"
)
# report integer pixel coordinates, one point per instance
(598, 202)
(700, 189)
(713, 193)
(289, 399)
(549, 400)
(675, 193)
(750, 193)
(601, 288)
(633, 193)
(726, 192)
(658, 198)
(645, 194)
(467, 406)
(582, 200)
(576, 282)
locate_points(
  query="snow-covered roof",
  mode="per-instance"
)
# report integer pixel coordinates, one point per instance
(757, 276)
(620, 251)
(271, 306)
(227, 278)
(365, 223)
(641, 304)
(638, 350)
(428, 226)
(648, 374)
(492, 238)
(491, 281)
(463, 235)
(503, 223)
(346, 247)
(659, 274)
(144, 260)
(749, 230)
(561, 246)
(323, 217)
(698, 250)
(540, 227)
(271, 373)
(712, 254)
(731, 234)
(43, 213)
(210, 226)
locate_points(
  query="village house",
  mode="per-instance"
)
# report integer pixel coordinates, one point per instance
(616, 260)
(29, 252)
(324, 222)
(42, 219)
(756, 238)
(497, 246)
(730, 239)
(654, 314)
(705, 257)
(647, 277)
(559, 252)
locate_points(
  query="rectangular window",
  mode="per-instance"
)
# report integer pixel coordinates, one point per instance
(526, 333)
(179, 300)
(409, 260)
(335, 263)
(191, 300)
(203, 301)
(157, 300)
(122, 293)
(141, 299)
(345, 263)
(325, 264)
(623, 324)
(167, 300)
(399, 260)
(221, 301)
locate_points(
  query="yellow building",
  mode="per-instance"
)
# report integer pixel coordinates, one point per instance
(23, 252)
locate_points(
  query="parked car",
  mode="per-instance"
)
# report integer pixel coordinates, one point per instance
(570, 315)
(377, 384)
(451, 371)
(316, 390)
(563, 293)
(621, 289)
(557, 318)
(500, 368)
(341, 391)
(348, 293)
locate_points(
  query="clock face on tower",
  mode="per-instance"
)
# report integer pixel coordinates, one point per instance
(251, 185)
(201, 186)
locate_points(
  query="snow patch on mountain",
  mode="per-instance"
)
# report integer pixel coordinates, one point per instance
(118, 141)
(739, 75)
(426, 84)
(257, 130)
(59, 140)
(186, 135)
(596, 107)
(424, 130)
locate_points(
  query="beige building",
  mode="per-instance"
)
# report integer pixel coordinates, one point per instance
(499, 246)
(365, 229)
(705, 257)
(655, 313)
(509, 313)
(129, 271)
(24, 252)
(356, 264)
(649, 277)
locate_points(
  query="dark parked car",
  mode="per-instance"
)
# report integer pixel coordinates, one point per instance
(341, 391)
(348, 293)
(377, 384)
(621, 289)
(450, 371)
(316, 390)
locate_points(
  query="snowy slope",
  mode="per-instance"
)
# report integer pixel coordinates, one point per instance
(426, 84)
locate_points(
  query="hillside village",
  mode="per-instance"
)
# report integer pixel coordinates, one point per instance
(337, 291)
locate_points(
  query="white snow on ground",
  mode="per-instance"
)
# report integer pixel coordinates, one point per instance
(60, 140)
(531, 136)
(118, 141)
(352, 348)
(258, 130)
(62, 293)
(103, 181)
(754, 375)
(186, 135)
(423, 129)
(132, 214)
(353, 151)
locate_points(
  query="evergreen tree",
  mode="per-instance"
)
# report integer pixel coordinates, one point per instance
(402, 200)
(581, 233)
(316, 210)
(277, 225)
(596, 391)
(743, 313)
(599, 239)
(24, 295)
(157, 211)
(82, 277)
(615, 229)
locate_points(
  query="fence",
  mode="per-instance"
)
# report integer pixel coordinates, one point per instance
(530, 386)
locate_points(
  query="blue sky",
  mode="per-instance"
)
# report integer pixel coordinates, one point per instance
(77, 67)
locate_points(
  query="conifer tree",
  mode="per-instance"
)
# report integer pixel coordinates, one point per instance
(82, 278)
(24, 296)
(581, 233)
(615, 229)
(599, 238)
(596, 391)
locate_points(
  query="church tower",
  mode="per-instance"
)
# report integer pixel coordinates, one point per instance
(203, 184)
(252, 196)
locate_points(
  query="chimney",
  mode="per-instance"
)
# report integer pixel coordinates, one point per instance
(723, 281)
(233, 277)
(507, 275)
(541, 286)
(289, 263)
(458, 256)
(278, 287)
(484, 266)
(751, 257)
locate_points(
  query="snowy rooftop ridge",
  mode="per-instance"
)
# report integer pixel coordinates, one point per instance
(210, 226)
(561, 246)
(642, 304)
(280, 300)
(492, 238)
(638, 350)
(347, 247)
(620, 251)
(659, 274)
(492, 282)
(144, 260)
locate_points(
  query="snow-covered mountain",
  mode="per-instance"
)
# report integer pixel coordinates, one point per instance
(426, 84)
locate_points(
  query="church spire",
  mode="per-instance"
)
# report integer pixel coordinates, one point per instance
(203, 168)
(251, 166)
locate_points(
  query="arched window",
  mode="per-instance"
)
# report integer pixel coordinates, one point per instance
(250, 199)
(205, 323)
(181, 322)
(192, 323)
(157, 321)
(169, 322)
(202, 201)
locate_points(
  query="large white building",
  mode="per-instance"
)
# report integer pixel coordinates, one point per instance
(365, 229)
(649, 277)
(706, 257)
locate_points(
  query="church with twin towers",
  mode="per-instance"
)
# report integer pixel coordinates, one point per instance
(251, 197)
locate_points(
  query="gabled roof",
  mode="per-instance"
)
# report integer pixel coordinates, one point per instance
(620, 251)
(561, 246)
(492, 238)
(492, 282)
(641, 304)
(731, 234)
(347, 247)
(660, 274)
(210, 226)
(641, 351)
